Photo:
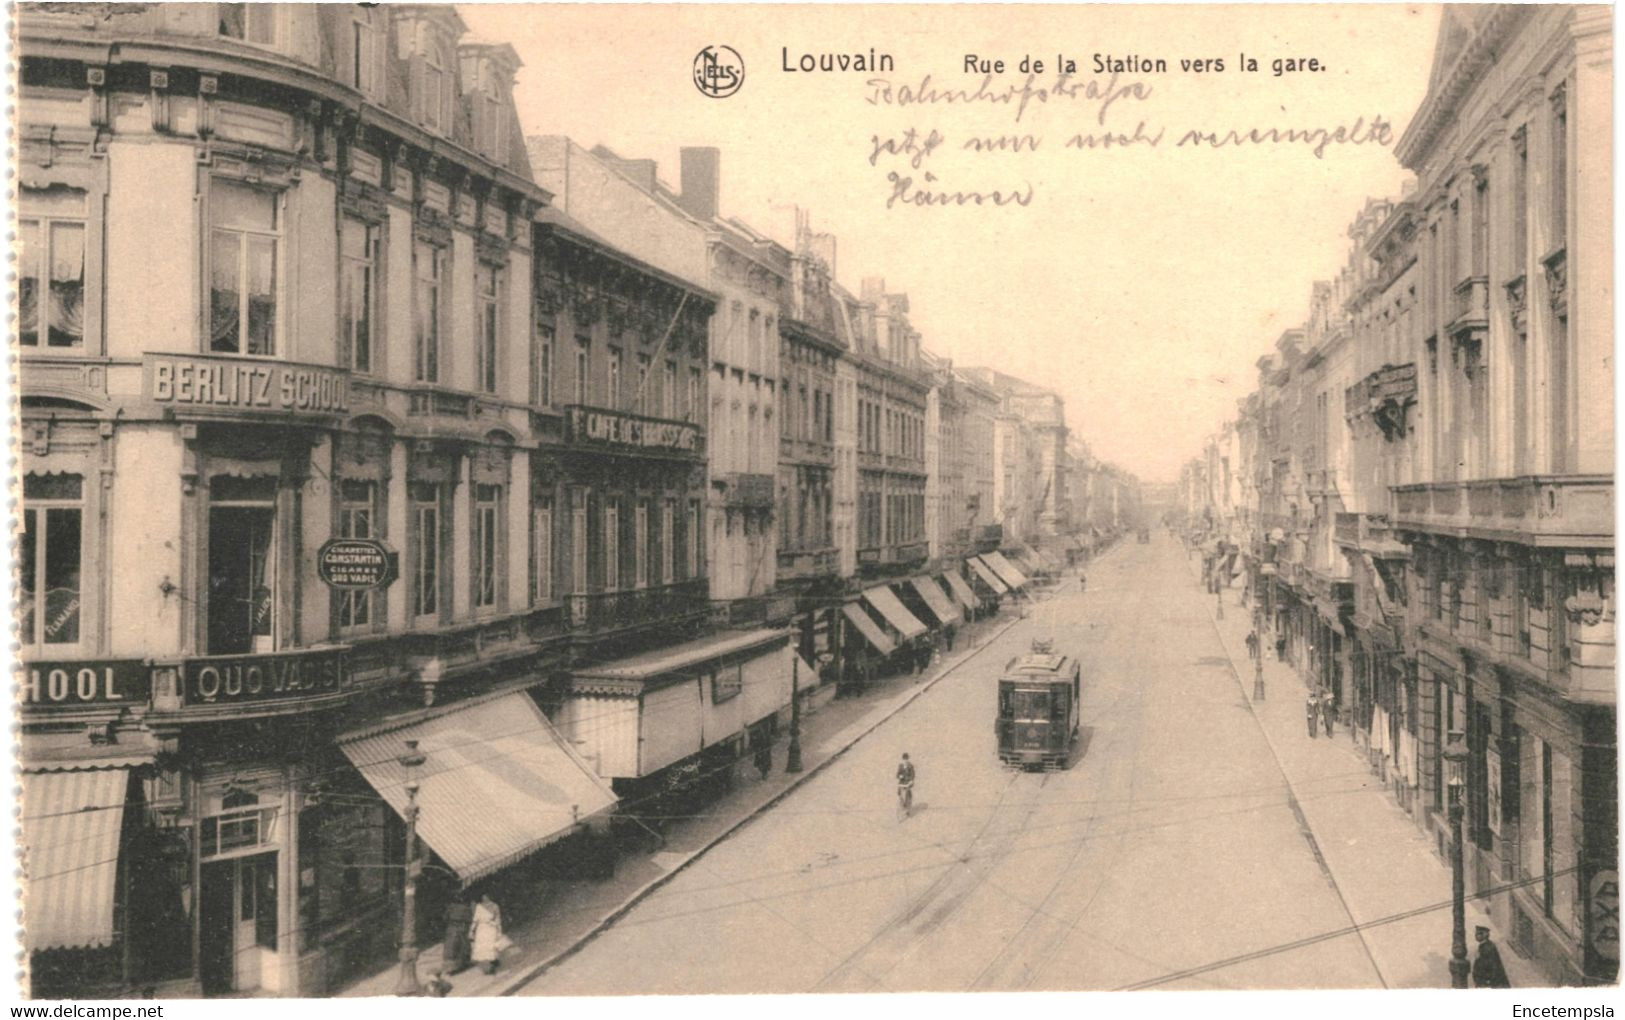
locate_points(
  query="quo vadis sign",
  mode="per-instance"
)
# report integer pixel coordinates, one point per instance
(355, 564)
(214, 384)
(244, 678)
(609, 428)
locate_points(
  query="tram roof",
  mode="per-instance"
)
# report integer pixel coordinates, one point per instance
(1040, 664)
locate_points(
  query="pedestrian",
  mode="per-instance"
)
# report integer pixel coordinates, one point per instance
(1487, 969)
(1312, 709)
(764, 756)
(1252, 644)
(486, 934)
(1328, 712)
(949, 635)
(1280, 647)
(1083, 582)
(459, 915)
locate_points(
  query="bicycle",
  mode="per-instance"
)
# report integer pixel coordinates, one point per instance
(905, 800)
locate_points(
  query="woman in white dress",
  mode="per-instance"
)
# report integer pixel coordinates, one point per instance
(486, 934)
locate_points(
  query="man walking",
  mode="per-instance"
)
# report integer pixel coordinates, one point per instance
(1328, 712)
(1487, 969)
(1312, 710)
(1252, 644)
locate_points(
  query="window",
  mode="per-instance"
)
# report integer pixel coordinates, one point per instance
(363, 52)
(358, 264)
(578, 540)
(583, 363)
(668, 392)
(612, 544)
(614, 393)
(641, 399)
(668, 538)
(51, 268)
(541, 551)
(1560, 167)
(358, 518)
(425, 548)
(541, 389)
(50, 559)
(693, 534)
(244, 231)
(436, 88)
(640, 546)
(428, 268)
(487, 503)
(485, 349)
(255, 23)
(692, 411)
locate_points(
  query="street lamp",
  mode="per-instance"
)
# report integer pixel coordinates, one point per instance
(1258, 652)
(792, 761)
(1455, 753)
(407, 983)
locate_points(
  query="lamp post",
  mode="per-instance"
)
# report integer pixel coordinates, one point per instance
(1258, 651)
(792, 761)
(1455, 753)
(407, 983)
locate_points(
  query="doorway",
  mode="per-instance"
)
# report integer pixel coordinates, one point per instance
(239, 925)
(242, 571)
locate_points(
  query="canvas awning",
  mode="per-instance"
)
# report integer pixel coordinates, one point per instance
(936, 600)
(1006, 570)
(895, 613)
(960, 590)
(71, 823)
(987, 575)
(498, 783)
(1024, 563)
(681, 657)
(868, 628)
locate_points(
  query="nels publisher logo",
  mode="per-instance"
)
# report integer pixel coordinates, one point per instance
(719, 71)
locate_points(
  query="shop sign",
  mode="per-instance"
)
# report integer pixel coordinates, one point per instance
(611, 428)
(1604, 905)
(228, 385)
(47, 685)
(727, 683)
(356, 564)
(244, 679)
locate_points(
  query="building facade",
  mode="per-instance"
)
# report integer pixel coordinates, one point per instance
(1444, 423)
(343, 353)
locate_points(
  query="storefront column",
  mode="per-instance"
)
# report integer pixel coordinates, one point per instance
(287, 895)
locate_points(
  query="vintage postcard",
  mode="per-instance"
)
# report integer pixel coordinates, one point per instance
(608, 500)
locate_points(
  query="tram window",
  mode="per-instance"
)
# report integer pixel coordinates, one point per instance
(1004, 702)
(1060, 702)
(1031, 704)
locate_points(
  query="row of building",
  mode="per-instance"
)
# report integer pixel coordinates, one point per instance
(374, 455)
(1419, 493)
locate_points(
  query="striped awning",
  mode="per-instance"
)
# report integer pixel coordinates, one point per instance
(498, 785)
(1006, 570)
(936, 601)
(987, 575)
(71, 823)
(868, 628)
(896, 614)
(960, 590)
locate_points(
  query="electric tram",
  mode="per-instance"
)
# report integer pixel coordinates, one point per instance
(1039, 697)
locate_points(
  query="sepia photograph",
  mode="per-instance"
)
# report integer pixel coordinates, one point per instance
(606, 500)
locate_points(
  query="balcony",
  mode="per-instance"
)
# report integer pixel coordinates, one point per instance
(749, 491)
(806, 451)
(1542, 510)
(802, 564)
(1472, 310)
(597, 614)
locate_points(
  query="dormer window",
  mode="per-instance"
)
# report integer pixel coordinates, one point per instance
(366, 48)
(255, 23)
(434, 87)
(495, 119)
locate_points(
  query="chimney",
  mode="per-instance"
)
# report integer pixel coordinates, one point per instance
(701, 172)
(642, 172)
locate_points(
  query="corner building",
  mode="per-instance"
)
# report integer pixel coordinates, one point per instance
(336, 335)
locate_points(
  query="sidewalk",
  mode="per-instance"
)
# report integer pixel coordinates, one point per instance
(571, 913)
(1374, 854)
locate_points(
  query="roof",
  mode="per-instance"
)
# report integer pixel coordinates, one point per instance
(683, 656)
(1036, 663)
(561, 222)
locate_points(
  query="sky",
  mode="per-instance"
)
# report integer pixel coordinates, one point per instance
(1140, 282)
